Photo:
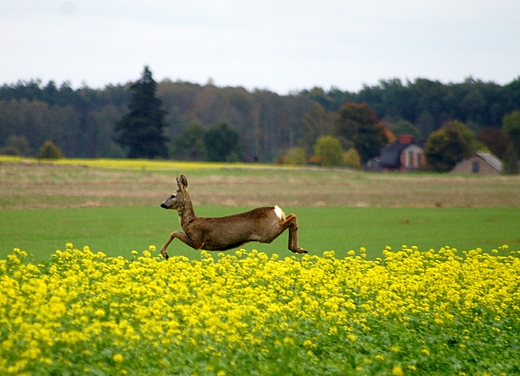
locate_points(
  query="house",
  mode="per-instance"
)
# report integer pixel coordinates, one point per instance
(404, 154)
(372, 165)
(480, 163)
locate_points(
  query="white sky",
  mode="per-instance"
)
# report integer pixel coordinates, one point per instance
(282, 45)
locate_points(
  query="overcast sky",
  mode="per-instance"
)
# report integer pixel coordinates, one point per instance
(281, 45)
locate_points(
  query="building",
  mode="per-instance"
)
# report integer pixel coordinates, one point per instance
(404, 154)
(480, 163)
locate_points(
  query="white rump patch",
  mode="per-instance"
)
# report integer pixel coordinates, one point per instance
(279, 213)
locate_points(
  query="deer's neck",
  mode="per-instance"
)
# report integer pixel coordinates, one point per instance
(186, 213)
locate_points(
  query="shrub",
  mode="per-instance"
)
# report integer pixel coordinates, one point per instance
(329, 152)
(49, 151)
(16, 145)
(352, 159)
(295, 156)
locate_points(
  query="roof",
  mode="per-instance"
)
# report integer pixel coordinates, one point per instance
(391, 153)
(490, 159)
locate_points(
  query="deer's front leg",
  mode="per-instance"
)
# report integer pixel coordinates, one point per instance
(179, 235)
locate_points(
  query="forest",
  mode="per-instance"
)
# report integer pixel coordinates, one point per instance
(81, 121)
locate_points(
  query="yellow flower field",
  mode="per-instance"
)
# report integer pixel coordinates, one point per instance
(410, 312)
(140, 164)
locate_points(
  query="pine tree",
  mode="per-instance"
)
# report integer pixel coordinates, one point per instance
(141, 131)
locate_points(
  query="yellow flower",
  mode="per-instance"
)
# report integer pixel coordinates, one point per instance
(99, 313)
(243, 300)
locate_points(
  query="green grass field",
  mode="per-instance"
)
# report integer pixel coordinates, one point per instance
(113, 206)
(119, 230)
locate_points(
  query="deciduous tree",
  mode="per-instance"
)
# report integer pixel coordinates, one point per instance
(495, 139)
(221, 143)
(358, 124)
(444, 149)
(511, 126)
(16, 145)
(511, 161)
(190, 144)
(317, 123)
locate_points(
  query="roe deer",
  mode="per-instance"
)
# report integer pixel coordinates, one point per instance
(220, 234)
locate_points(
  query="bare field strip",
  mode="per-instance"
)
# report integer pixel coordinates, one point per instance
(24, 185)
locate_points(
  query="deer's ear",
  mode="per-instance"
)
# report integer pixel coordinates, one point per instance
(182, 182)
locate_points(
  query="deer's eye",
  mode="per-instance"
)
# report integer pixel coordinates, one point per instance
(173, 196)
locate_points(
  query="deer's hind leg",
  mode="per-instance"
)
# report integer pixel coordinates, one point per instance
(291, 223)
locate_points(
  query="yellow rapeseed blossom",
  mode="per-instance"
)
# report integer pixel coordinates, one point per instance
(83, 312)
(397, 371)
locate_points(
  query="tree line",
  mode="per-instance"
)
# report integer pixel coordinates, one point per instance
(260, 125)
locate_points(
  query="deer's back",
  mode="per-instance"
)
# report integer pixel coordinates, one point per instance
(222, 233)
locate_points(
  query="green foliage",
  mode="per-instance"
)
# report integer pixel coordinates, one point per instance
(495, 139)
(511, 126)
(222, 144)
(510, 164)
(329, 152)
(141, 130)
(16, 145)
(352, 159)
(49, 151)
(295, 156)
(82, 120)
(405, 127)
(359, 124)
(467, 134)
(445, 148)
(190, 144)
(317, 123)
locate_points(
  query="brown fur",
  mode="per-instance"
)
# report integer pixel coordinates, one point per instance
(219, 234)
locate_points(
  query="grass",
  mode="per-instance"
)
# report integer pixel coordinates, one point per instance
(113, 205)
(33, 185)
(119, 230)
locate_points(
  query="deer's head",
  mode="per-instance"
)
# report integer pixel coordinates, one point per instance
(178, 200)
